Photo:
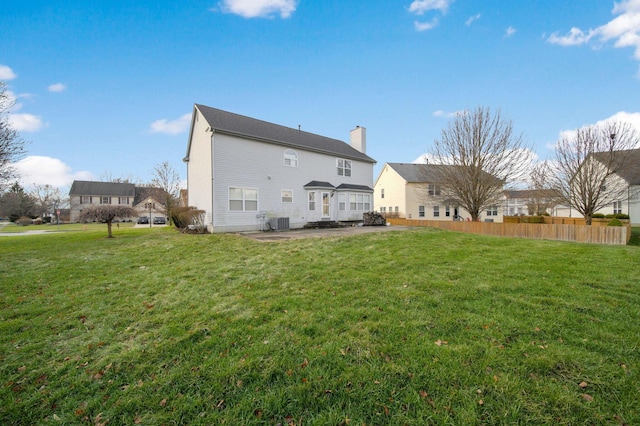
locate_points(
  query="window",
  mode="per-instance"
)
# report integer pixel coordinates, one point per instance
(123, 200)
(243, 199)
(312, 200)
(492, 211)
(397, 209)
(436, 211)
(382, 193)
(447, 211)
(290, 158)
(85, 199)
(286, 195)
(367, 202)
(383, 209)
(420, 211)
(617, 207)
(434, 189)
(344, 167)
(342, 201)
(105, 200)
(352, 202)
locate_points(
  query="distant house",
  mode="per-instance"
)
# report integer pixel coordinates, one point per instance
(626, 182)
(531, 202)
(248, 174)
(412, 191)
(144, 200)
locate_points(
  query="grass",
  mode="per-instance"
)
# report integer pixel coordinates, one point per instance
(397, 328)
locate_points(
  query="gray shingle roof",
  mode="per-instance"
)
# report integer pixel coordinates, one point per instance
(115, 189)
(228, 122)
(416, 173)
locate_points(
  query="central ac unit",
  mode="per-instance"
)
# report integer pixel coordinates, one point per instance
(279, 223)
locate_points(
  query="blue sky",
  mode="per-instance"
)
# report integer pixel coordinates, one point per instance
(106, 88)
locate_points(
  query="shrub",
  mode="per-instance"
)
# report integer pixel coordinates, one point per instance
(598, 216)
(188, 218)
(24, 221)
(614, 222)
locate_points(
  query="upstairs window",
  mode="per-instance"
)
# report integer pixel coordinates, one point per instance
(290, 158)
(492, 211)
(123, 200)
(105, 200)
(85, 199)
(382, 193)
(434, 189)
(343, 167)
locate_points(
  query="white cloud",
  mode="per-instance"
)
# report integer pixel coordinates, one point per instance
(25, 122)
(57, 87)
(171, 127)
(624, 29)
(471, 19)
(424, 26)
(419, 7)
(445, 114)
(7, 73)
(510, 31)
(259, 8)
(633, 118)
(42, 170)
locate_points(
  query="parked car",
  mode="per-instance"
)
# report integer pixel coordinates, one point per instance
(159, 220)
(143, 220)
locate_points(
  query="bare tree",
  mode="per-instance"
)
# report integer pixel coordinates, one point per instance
(587, 163)
(542, 196)
(167, 179)
(477, 155)
(46, 197)
(106, 213)
(11, 145)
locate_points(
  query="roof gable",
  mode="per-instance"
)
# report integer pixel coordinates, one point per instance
(630, 169)
(239, 125)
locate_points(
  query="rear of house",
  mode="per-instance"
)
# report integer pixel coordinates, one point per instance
(248, 174)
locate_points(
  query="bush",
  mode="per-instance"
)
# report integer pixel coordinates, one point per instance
(598, 216)
(24, 221)
(188, 218)
(614, 222)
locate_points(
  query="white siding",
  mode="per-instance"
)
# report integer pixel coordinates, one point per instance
(239, 162)
(199, 169)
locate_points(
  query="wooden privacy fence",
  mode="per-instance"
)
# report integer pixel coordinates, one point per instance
(613, 235)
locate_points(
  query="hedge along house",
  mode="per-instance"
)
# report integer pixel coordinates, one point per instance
(247, 174)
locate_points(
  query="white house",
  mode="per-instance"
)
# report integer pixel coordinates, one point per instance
(626, 184)
(412, 191)
(248, 174)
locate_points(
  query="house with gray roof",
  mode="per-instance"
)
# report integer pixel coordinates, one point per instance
(414, 191)
(249, 174)
(147, 201)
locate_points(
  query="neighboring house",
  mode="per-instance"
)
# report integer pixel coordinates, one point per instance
(411, 191)
(626, 182)
(531, 202)
(84, 194)
(149, 202)
(247, 174)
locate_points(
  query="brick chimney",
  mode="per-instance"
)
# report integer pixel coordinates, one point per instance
(359, 139)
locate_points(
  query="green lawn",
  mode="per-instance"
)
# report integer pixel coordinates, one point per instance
(397, 328)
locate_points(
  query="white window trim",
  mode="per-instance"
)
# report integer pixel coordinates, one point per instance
(282, 195)
(292, 157)
(243, 200)
(345, 170)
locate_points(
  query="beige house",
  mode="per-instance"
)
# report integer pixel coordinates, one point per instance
(147, 201)
(411, 191)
